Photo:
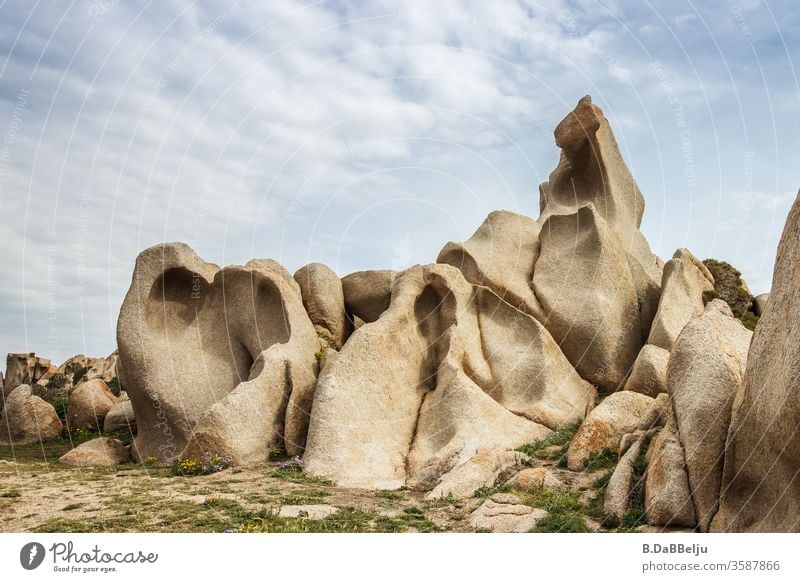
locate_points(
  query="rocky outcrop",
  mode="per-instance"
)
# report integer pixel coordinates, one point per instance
(448, 369)
(685, 281)
(649, 373)
(25, 368)
(215, 360)
(367, 293)
(28, 419)
(500, 255)
(604, 427)
(99, 452)
(706, 369)
(323, 299)
(89, 403)
(591, 170)
(595, 277)
(760, 484)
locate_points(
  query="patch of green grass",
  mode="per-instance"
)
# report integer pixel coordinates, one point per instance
(410, 518)
(486, 492)
(348, 520)
(561, 436)
(388, 494)
(296, 475)
(449, 500)
(601, 460)
(561, 523)
(277, 454)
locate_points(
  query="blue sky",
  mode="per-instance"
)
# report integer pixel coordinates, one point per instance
(365, 134)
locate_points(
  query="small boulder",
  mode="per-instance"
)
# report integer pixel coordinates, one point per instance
(120, 418)
(89, 403)
(617, 415)
(760, 304)
(649, 373)
(99, 452)
(28, 419)
(481, 470)
(505, 513)
(323, 299)
(529, 480)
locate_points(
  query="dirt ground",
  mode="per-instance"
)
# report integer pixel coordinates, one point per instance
(37, 494)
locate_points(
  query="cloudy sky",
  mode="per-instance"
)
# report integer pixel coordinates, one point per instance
(365, 134)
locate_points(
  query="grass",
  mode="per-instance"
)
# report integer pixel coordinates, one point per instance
(561, 436)
(601, 460)
(410, 518)
(296, 475)
(485, 492)
(564, 511)
(388, 494)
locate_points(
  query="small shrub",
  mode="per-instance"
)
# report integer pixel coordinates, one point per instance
(387, 494)
(561, 523)
(277, 454)
(78, 375)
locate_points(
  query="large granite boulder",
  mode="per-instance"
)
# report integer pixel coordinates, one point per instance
(592, 170)
(760, 482)
(649, 373)
(28, 419)
(448, 369)
(705, 370)
(215, 360)
(88, 405)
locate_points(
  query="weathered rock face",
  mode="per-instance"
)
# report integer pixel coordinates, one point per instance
(25, 368)
(685, 280)
(760, 485)
(649, 373)
(604, 427)
(28, 419)
(705, 370)
(448, 369)
(367, 293)
(217, 360)
(591, 170)
(89, 403)
(500, 255)
(323, 299)
(99, 452)
(588, 296)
